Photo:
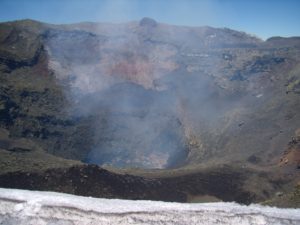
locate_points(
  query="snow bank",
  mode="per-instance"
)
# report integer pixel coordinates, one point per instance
(35, 207)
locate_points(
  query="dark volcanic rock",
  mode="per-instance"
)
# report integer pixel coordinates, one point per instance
(148, 22)
(91, 180)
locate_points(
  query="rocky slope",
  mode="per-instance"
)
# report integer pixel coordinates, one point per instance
(190, 100)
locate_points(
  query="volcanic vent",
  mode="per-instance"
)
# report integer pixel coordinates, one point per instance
(114, 81)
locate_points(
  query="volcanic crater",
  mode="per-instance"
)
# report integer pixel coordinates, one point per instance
(206, 111)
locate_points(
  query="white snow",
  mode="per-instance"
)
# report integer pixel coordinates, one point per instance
(36, 207)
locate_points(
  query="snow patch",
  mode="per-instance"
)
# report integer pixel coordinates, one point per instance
(36, 207)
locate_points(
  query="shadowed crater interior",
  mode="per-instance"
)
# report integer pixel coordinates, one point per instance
(135, 127)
